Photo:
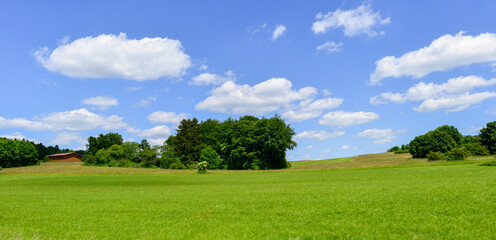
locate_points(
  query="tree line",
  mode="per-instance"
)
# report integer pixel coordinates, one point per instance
(18, 153)
(245, 143)
(446, 142)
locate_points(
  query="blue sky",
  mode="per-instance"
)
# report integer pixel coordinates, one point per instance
(351, 77)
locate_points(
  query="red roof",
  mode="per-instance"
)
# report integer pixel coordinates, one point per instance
(62, 154)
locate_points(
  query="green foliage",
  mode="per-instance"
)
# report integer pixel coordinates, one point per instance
(433, 141)
(210, 156)
(168, 158)
(202, 167)
(17, 153)
(453, 132)
(103, 142)
(246, 143)
(491, 163)
(177, 165)
(45, 159)
(457, 154)
(488, 137)
(434, 156)
(401, 151)
(144, 145)
(476, 149)
(393, 149)
(187, 142)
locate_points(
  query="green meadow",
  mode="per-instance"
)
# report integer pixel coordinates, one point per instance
(383, 196)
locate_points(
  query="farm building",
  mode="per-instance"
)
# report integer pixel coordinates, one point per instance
(65, 157)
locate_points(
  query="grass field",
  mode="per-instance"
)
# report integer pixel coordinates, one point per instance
(366, 197)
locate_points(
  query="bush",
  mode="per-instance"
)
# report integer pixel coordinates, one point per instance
(433, 141)
(457, 154)
(476, 149)
(177, 165)
(210, 156)
(492, 164)
(45, 159)
(202, 167)
(401, 151)
(434, 156)
(168, 158)
(17, 153)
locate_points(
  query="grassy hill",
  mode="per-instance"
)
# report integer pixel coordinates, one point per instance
(364, 197)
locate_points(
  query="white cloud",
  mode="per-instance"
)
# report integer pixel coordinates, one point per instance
(167, 117)
(309, 147)
(161, 131)
(357, 21)
(319, 135)
(66, 138)
(101, 102)
(75, 120)
(116, 56)
(14, 135)
(345, 119)
(454, 103)
(383, 135)
(81, 119)
(156, 141)
(327, 150)
(344, 147)
(145, 102)
(253, 30)
(455, 94)
(442, 54)
(203, 67)
(212, 79)
(474, 129)
(264, 97)
(24, 124)
(308, 109)
(279, 31)
(330, 47)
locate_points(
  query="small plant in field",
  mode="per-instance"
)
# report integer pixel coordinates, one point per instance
(177, 165)
(457, 154)
(202, 167)
(492, 163)
(434, 156)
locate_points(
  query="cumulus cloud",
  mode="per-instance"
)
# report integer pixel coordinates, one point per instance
(309, 109)
(213, 79)
(330, 47)
(116, 56)
(454, 103)
(319, 135)
(75, 120)
(279, 31)
(382, 136)
(444, 53)
(345, 119)
(101, 102)
(454, 94)
(361, 20)
(166, 117)
(264, 97)
(161, 131)
(66, 138)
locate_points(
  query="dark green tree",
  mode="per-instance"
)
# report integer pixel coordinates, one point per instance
(433, 141)
(144, 145)
(488, 137)
(453, 132)
(187, 142)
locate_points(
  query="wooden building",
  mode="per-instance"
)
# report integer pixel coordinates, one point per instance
(65, 157)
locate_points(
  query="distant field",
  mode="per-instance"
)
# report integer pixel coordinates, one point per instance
(366, 197)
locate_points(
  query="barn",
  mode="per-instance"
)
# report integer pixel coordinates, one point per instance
(65, 157)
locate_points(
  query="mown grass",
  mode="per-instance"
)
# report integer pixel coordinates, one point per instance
(442, 200)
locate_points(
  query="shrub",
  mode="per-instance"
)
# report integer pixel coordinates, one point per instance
(210, 156)
(433, 141)
(168, 158)
(177, 165)
(492, 163)
(202, 167)
(401, 151)
(457, 154)
(434, 156)
(476, 149)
